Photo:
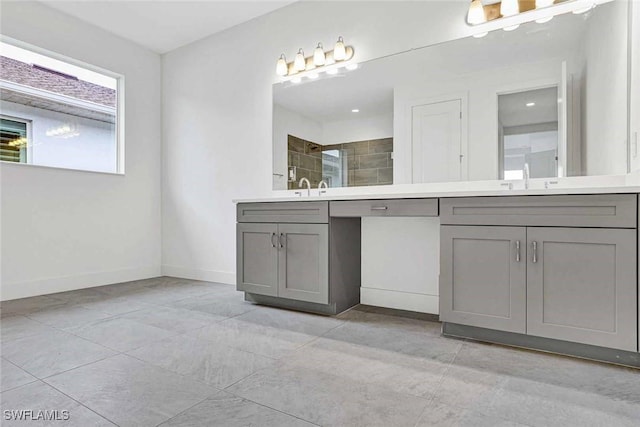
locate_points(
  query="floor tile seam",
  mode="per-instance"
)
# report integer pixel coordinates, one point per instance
(184, 411)
(79, 402)
(66, 329)
(28, 373)
(75, 367)
(273, 409)
(168, 371)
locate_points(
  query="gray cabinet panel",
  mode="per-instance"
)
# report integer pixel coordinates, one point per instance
(296, 212)
(601, 210)
(304, 262)
(482, 277)
(389, 207)
(257, 258)
(582, 286)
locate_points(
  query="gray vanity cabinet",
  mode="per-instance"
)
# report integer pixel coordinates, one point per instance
(284, 260)
(581, 285)
(303, 263)
(257, 258)
(483, 277)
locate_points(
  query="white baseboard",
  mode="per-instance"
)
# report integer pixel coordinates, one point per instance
(15, 290)
(421, 303)
(198, 274)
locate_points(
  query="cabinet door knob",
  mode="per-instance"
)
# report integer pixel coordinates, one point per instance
(534, 258)
(517, 250)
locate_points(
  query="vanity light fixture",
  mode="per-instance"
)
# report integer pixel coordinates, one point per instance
(339, 50)
(319, 57)
(300, 64)
(281, 66)
(510, 14)
(541, 4)
(330, 62)
(510, 8)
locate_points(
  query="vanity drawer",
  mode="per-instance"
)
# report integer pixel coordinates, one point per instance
(296, 212)
(598, 210)
(389, 207)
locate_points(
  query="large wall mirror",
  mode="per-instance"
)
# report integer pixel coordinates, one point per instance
(551, 97)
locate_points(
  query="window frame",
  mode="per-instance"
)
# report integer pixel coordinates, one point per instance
(28, 153)
(120, 105)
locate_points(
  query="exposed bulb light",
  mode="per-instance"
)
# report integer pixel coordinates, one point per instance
(355, 110)
(339, 50)
(352, 67)
(530, 104)
(281, 66)
(509, 8)
(318, 56)
(476, 14)
(542, 4)
(300, 64)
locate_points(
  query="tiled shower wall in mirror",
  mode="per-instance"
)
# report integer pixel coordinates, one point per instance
(350, 164)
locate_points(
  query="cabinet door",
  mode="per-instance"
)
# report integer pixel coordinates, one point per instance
(582, 286)
(483, 277)
(304, 262)
(257, 258)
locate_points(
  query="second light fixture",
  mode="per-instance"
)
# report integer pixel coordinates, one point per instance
(320, 58)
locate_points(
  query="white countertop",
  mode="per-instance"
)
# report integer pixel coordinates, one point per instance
(574, 185)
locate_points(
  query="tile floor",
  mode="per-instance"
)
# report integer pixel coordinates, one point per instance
(176, 352)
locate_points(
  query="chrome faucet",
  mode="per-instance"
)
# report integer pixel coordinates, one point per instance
(303, 180)
(525, 173)
(320, 186)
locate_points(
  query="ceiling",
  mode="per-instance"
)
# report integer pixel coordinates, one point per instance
(162, 26)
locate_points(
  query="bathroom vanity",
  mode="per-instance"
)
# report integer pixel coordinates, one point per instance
(551, 272)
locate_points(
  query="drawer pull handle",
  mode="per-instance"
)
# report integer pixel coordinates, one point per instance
(535, 252)
(517, 250)
(282, 239)
(379, 208)
(273, 245)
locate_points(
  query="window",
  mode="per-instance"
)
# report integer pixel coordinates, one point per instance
(57, 113)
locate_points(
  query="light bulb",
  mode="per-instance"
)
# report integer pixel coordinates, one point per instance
(476, 13)
(339, 50)
(300, 63)
(509, 8)
(543, 3)
(281, 66)
(318, 56)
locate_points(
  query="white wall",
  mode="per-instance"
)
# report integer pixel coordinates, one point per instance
(357, 129)
(63, 229)
(93, 149)
(217, 144)
(605, 100)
